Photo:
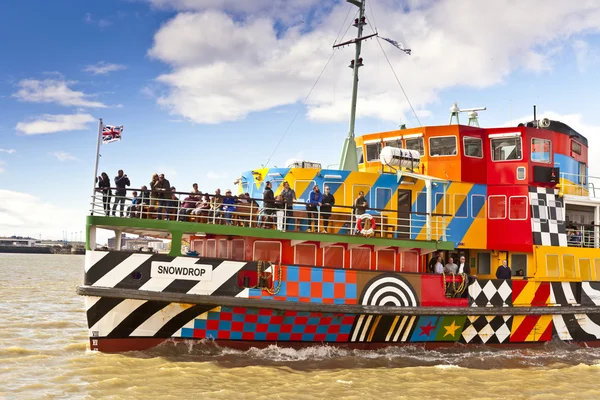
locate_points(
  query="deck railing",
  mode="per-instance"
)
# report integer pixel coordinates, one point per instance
(580, 185)
(581, 235)
(249, 212)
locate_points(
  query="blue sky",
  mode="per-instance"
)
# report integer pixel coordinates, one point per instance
(206, 88)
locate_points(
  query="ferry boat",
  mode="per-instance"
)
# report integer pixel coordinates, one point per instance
(254, 274)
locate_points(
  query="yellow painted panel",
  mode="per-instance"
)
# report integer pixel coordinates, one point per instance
(552, 265)
(569, 265)
(585, 269)
(596, 269)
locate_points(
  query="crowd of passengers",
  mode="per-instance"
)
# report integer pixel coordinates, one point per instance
(437, 265)
(161, 197)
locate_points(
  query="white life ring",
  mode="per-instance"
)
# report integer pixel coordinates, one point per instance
(368, 232)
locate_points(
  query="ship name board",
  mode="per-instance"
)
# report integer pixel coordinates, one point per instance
(192, 272)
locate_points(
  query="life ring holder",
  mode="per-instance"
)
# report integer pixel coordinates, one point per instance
(368, 232)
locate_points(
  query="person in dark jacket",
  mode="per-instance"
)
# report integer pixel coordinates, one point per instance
(121, 181)
(163, 192)
(104, 186)
(328, 202)
(433, 261)
(503, 271)
(289, 195)
(315, 199)
(268, 204)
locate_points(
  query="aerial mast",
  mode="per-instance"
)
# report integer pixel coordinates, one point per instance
(349, 159)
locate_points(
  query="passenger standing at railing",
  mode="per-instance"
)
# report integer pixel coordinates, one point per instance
(154, 195)
(360, 205)
(328, 202)
(289, 196)
(163, 190)
(268, 205)
(315, 199)
(215, 204)
(104, 186)
(172, 205)
(121, 181)
(228, 206)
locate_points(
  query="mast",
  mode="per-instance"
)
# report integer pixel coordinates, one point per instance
(349, 159)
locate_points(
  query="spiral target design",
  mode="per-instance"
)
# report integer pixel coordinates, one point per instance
(389, 290)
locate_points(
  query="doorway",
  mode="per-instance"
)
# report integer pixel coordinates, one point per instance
(404, 213)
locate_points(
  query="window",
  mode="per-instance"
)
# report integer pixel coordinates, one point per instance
(366, 189)
(541, 150)
(333, 256)
(386, 260)
(552, 265)
(360, 156)
(582, 174)
(302, 186)
(521, 173)
(238, 250)
(569, 265)
(422, 202)
(477, 206)
(576, 147)
(394, 142)
(223, 248)
(473, 147)
(585, 269)
(517, 262)
(198, 247)
(442, 146)
(497, 207)
(484, 263)
(382, 197)
(439, 201)
(517, 207)
(416, 144)
(373, 151)
(409, 262)
(211, 248)
(305, 254)
(506, 149)
(461, 209)
(360, 258)
(267, 251)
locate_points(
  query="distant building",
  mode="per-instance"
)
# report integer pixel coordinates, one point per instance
(19, 241)
(138, 243)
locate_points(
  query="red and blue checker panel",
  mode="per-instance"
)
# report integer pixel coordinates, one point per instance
(254, 324)
(313, 285)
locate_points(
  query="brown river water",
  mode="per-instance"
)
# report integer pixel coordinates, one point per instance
(43, 354)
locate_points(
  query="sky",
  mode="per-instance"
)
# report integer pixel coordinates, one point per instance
(206, 89)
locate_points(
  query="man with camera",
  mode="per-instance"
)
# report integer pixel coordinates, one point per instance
(121, 181)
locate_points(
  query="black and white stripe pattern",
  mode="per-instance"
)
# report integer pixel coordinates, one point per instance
(577, 327)
(590, 293)
(565, 293)
(385, 290)
(108, 317)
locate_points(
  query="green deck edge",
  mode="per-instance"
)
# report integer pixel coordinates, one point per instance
(177, 229)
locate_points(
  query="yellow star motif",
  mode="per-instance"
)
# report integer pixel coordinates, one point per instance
(451, 329)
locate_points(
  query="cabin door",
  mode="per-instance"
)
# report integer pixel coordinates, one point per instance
(404, 213)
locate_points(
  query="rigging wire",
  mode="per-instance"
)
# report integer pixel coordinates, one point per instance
(373, 15)
(398, 80)
(300, 108)
(342, 26)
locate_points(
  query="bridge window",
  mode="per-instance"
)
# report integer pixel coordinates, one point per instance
(517, 208)
(576, 147)
(497, 207)
(373, 151)
(473, 147)
(442, 146)
(416, 144)
(360, 155)
(360, 258)
(394, 142)
(506, 149)
(333, 256)
(541, 150)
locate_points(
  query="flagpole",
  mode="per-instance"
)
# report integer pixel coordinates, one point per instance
(97, 159)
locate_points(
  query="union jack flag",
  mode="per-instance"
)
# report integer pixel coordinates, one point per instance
(111, 133)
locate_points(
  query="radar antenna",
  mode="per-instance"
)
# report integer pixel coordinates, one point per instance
(473, 121)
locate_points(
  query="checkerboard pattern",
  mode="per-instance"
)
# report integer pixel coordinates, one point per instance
(263, 324)
(547, 217)
(491, 293)
(486, 329)
(313, 285)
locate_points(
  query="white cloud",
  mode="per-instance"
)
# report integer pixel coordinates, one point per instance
(63, 156)
(101, 23)
(55, 123)
(254, 66)
(25, 214)
(585, 56)
(2, 164)
(103, 68)
(9, 151)
(54, 91)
